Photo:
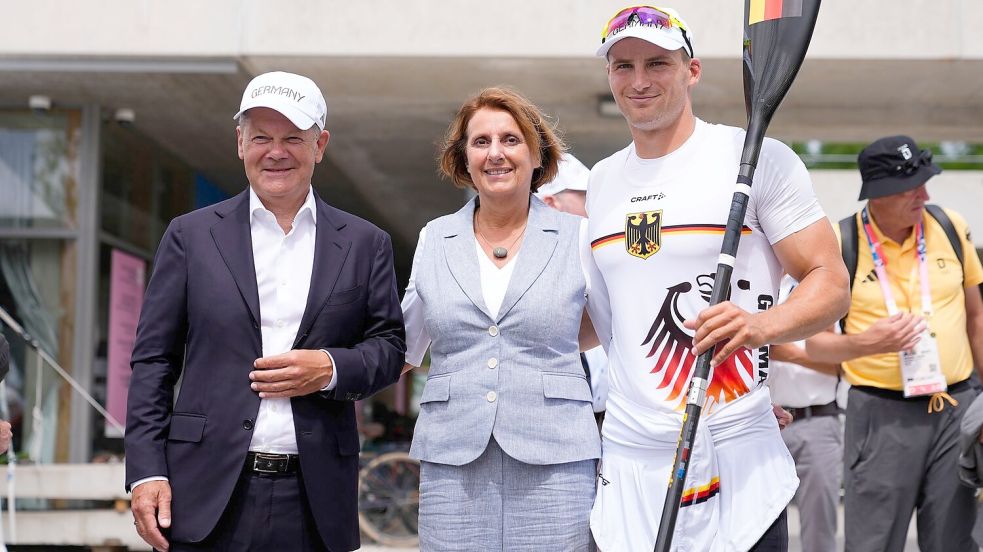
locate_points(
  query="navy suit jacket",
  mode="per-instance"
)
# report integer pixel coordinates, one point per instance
(201, 320)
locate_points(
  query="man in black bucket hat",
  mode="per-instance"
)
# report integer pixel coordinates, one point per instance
(908, 347)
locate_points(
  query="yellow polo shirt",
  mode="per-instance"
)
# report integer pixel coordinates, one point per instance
(948, 299)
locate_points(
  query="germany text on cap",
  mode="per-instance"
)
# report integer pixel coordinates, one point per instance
(296, 97)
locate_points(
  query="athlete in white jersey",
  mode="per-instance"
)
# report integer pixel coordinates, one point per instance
(657, 211)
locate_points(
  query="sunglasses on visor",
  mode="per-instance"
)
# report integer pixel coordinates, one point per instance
(648, 16)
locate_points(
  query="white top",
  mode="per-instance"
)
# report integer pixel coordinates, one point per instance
(655, 232)
(494, 280)
(797, 386)
(283, 263)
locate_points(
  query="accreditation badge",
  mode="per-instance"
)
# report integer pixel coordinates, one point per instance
(921, 368)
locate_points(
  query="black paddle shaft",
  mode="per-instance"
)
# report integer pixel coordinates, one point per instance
(773, 53)
(701, 373)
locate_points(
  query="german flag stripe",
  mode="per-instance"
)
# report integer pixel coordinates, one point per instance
(700, 229)
(605, 240)
(767, 10)
(680, 229)
(697, 495)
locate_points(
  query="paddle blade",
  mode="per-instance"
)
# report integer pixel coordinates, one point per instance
(776, 37)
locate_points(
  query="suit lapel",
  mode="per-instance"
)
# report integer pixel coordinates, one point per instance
(330, 252)
(537, 249)
(462, 258)
(235, 244)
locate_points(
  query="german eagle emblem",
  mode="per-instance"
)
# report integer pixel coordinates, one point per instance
(643, 236)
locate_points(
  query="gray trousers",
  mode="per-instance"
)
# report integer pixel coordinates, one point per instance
(497, 503)
(899, 458)
(816, 444)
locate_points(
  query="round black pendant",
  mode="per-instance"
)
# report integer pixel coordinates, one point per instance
(500, 252)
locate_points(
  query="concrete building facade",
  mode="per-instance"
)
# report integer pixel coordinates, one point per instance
(140, 127)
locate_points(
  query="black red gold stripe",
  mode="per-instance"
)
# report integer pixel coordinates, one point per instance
(766, 10)
(678, 229)
(697, 495)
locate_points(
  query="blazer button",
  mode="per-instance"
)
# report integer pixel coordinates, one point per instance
(492, 362)
(247, 425)
(491, 396)
(493, 331)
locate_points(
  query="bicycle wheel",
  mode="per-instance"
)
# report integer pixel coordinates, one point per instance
(389, 499)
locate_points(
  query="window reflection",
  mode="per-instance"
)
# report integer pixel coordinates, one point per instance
(37, 289)
(144, 187)
(38, 169)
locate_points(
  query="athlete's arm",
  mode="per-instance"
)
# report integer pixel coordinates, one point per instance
(812, 257)
(789, 352)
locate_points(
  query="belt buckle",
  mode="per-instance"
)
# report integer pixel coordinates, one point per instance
(264, 463)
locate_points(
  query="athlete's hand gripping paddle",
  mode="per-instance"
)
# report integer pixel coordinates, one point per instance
(776, 37)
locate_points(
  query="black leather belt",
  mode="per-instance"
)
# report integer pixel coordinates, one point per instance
(957, 387)
(261, 462)
(806, 412)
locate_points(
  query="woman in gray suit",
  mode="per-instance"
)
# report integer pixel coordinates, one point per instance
(506, 432)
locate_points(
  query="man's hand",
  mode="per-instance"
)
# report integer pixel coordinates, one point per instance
(725, 324)
(898, 332)
(783, 416)
(151, 506)
(292, 374)
(5, 436)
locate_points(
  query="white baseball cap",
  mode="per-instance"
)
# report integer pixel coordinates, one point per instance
(660, 26)
(571, 175)
(296, 97)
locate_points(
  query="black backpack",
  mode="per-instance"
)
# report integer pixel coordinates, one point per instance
(849, 236)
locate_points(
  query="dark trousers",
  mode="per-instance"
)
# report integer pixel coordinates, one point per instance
(898, 458)
(775, 538)
(266, 512)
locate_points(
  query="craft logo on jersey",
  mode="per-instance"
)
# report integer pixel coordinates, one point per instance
(643, 233)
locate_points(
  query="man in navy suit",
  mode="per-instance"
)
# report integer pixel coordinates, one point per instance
(276, 311)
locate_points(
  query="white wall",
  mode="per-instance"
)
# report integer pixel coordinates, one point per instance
(961, 191)
(847, 29)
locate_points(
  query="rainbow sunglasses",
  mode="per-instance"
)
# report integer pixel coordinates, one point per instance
(649, 16)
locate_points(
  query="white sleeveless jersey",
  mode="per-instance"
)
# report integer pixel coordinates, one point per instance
(655, 231)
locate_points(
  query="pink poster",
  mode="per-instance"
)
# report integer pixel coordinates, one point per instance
(127, 277)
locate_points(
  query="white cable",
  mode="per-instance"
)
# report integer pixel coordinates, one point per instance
(37, 414)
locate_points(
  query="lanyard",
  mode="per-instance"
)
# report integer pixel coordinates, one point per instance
(880, 264)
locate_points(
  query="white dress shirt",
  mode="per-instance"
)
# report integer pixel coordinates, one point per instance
(283, 263)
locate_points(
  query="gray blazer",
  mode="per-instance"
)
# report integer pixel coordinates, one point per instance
(516, 374)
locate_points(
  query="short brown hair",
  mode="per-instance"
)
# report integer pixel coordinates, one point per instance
(537, 130)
